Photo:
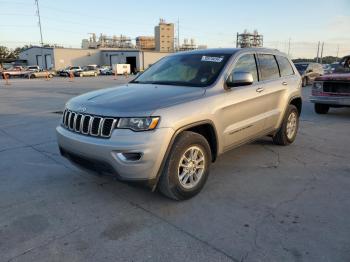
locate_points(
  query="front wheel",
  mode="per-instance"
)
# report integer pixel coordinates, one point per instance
(187, 167)
(321, 108)
(289, 128)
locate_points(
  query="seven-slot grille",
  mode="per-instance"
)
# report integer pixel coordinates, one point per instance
(88, 124)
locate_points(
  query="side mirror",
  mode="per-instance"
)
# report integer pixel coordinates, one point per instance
(239, 79)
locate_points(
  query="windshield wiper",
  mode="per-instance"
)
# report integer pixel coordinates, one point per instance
(172, 83)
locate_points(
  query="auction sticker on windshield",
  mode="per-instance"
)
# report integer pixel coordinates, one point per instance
(212, 59)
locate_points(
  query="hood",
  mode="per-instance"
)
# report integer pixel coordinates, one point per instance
(334, 77)
(133, 99)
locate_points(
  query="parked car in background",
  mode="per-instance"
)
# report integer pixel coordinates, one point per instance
(33, 68)
(87, 71)
(309, 71)
(69, 69)
(40, 74)
(332, 90)
(168, 125)
(16, 71)
(106, 70)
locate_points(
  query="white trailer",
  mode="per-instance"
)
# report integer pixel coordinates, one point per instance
(121, 69)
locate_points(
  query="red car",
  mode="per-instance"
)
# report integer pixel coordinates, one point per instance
(332, 90)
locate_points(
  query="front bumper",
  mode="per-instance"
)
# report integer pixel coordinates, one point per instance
(331, 100)
(152, 146)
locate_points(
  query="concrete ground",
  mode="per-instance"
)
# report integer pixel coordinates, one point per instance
(261, 202)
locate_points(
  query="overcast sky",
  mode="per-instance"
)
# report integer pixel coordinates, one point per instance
(213, 23)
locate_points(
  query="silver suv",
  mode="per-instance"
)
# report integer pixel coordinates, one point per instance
(169, 124)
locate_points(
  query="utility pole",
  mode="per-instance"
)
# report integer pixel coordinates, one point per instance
(337, 53)
(41, 33)
(289, 46)
(318, 51)
(321, 52)
(178, 34)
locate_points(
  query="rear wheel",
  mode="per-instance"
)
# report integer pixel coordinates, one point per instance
(187, 167)
(289, 128)
(321, 108)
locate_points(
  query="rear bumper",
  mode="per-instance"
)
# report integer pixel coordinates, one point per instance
(331, 100)
(104, 155)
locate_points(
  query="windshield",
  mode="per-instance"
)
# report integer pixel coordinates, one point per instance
(185, 69)
(301, 67)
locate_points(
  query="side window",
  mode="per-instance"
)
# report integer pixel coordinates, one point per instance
(268, 67)
(246, 63)
(285, 67)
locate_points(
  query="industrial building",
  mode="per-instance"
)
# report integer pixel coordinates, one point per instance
(58, 58)
(164, 36)
(145, 43)
(105, 41)
(247, 39)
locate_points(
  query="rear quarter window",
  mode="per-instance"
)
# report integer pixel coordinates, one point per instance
(268, 67)
(285, 67)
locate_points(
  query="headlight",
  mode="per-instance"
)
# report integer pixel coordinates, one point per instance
(138, 123)
(318, 85)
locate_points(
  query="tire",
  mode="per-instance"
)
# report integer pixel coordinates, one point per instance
(286, 134)
(169, 183)
(321, 108)
(31, 76)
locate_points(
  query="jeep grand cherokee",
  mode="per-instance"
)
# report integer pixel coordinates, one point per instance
(169, 124)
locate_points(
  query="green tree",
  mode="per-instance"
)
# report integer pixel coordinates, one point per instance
(4, 52)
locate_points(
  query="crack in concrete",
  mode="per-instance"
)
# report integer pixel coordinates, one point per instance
(37, 150)
(277, 162)
(324, 153)
(48, 242)
(206, 243)
(271, 213)
(24, 146)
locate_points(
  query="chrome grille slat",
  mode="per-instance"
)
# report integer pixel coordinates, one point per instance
(90, 124)
(67, 119)
(71, 121)
(77, 123)
(81, 123)
(64, 116)
(85, 124)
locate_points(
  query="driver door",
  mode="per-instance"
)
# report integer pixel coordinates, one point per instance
(243, 110)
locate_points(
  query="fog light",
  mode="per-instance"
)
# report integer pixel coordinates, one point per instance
(129, 156)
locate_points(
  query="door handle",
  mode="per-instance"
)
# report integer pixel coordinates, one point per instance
(284, 83)
(259, 90)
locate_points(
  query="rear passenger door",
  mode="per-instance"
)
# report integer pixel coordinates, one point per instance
(274, 86)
